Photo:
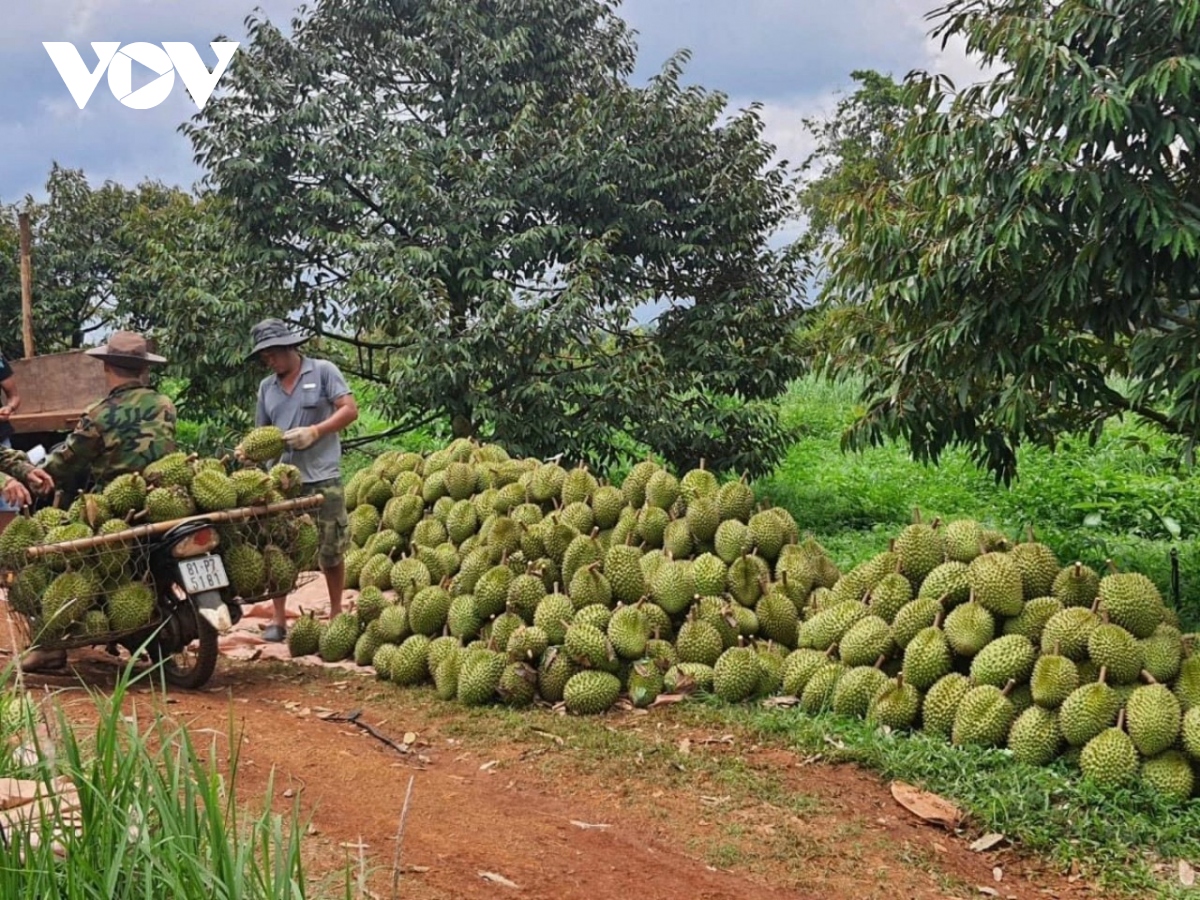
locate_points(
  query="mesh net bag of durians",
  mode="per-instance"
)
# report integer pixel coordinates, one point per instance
(520, 581)
(84, 594)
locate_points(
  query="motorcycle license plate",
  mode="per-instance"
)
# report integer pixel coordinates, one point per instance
(203, 573)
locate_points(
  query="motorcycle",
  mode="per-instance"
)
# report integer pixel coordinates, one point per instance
(194, 602)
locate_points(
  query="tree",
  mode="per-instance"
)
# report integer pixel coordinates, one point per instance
(79, 249)
(475, 199)
(1035, 249)
(854, 149)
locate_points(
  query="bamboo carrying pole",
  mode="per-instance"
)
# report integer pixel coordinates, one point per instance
(26, 284)
(154, 528)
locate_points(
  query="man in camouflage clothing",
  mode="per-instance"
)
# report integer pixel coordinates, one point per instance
(133, 426)
(130, 428)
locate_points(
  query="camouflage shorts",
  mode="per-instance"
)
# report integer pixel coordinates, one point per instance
(332, 523)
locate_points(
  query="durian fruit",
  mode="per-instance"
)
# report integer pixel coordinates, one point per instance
(251, 486)
(247, 569)
(1088, 710)
(1153, 718)
(172, 469)
(996, 583)
(25, 591)
(304, 638)
(263, 443)
(1110, 757)
(164, 504)
(1035, 737)
(66, 601)
(130, 606)
(1037, 565)
(125, 494)
(286, 479)
(1170, 774)
(337, 641)
(21, 533)
(939, 707)
(984, 715)
(962, 539)
(590, 692)
(1131, 600)
(921, 549)
(213, 491)
(645, 683)
(90, 509)
(897, 704)
(280, 571)
(1076, 585)
(855, 689)
(736, 674)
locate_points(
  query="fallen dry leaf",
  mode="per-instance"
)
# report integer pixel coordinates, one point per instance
(987, 842)
(998, 873)
(410, 737)
(497, 879)
(926, 806)
(1187, 875)
(587, 825)
(685, 746)
(488, 766)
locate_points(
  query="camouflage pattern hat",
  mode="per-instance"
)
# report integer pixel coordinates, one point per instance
(273, 333)
(127, 349)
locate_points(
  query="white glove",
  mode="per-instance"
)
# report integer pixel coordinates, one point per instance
(301, 438)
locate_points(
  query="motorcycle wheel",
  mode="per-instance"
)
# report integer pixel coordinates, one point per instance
(188, 665)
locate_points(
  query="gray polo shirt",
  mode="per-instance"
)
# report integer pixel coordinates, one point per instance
(311, 401)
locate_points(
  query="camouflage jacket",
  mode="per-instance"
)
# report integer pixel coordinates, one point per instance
(13, 463)
(126, 431)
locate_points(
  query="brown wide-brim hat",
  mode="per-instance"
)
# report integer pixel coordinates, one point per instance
(273, 333)
(128, 349)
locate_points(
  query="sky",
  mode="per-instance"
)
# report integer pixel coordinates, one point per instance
(791, 56)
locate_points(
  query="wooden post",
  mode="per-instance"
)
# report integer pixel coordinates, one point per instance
(26, 285)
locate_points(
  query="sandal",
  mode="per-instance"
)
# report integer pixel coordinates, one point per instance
(274, 633)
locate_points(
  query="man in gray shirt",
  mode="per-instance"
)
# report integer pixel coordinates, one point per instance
(310, 400)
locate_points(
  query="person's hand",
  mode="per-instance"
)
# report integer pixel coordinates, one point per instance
(301, 438)
(239, 453)
(40, 480)
(15, 493)
(6, 412)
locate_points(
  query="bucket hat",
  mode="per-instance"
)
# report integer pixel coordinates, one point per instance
(128, 349)
(273, 333)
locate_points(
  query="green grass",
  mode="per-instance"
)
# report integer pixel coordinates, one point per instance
(158, 819)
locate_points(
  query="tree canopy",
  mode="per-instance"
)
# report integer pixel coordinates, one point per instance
(1029, 267)
(80, 248)
(475, 201)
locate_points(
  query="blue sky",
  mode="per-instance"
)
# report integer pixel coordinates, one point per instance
(793, 56)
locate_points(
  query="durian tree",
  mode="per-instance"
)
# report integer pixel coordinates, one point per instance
(479, 205)
(1029, 265)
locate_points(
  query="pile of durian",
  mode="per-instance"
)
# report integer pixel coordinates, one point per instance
(106, 590)
(520, 581)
